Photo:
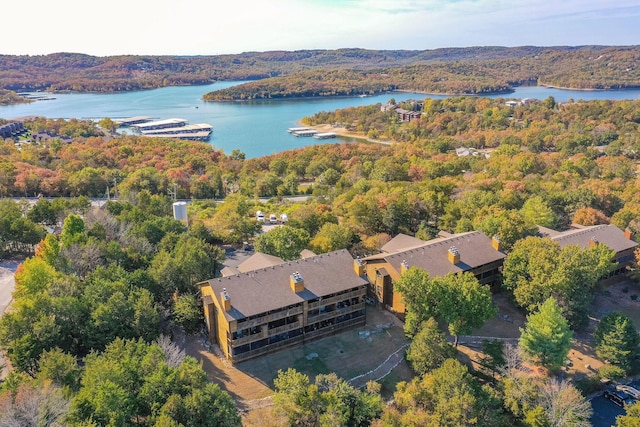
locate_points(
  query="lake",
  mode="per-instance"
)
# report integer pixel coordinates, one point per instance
(256, 128)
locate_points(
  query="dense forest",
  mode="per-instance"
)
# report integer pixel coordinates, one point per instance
(612, 68)
(99, 295)
(332, 72)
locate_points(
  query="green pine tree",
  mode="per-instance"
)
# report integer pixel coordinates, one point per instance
(546, 338)
(617, 341)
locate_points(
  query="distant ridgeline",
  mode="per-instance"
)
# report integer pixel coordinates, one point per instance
(342, 72)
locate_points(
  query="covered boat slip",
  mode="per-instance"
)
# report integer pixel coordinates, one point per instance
(160, 124)
(193, 136)
(168, 128)
(202, 127)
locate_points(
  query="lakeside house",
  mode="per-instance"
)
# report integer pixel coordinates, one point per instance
(405, 115)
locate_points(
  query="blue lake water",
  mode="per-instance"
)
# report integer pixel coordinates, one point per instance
(256, 128)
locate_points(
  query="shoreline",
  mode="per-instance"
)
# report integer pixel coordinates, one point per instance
(585, 89)
(343, 132)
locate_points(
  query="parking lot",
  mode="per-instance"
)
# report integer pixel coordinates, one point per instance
(605, 411)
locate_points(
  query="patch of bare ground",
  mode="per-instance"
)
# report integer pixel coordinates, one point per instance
(344, 132)
(619, 297)
(582, 358)
(359, 354)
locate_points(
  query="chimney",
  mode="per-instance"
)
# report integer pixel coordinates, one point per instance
(404, 267)
(628, 234)
(226, 299)
(495, 243)
(453, 255)
(593, 241)
(358, 266)
(297, 282)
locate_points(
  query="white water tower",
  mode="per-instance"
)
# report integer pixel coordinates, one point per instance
(180, 212)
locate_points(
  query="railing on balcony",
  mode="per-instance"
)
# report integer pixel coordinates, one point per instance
(337, 298)
(285, 328)
(270, 318)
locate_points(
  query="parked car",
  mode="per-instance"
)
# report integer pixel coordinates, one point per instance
(620, 398)
(627, 389)
(273, 219)
(260, 216)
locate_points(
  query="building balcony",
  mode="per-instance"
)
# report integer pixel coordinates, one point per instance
(285, 328)
(360, 292)
(263, 320)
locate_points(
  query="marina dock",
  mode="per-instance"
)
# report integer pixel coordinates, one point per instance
(325, 135)
(168, 128)
(293, 130)
(202, 127)
(191, 136)
(160, 124)
(305, 133)
(128, 121)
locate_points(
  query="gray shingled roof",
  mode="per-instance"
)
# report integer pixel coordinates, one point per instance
(400, 243)
(607, 234)
(259, 260)
(268, 288)
(474, 247)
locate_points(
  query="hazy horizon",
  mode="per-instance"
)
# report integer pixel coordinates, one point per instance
(201, 27)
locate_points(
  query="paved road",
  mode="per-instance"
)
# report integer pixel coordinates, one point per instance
(605, 411)
(6, 283)
(99, 202)
(7, 268)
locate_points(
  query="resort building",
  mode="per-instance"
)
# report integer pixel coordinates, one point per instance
(472, 252)
(621, 242)
(283, 304)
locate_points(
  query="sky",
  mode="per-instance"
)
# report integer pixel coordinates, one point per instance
(213, 27)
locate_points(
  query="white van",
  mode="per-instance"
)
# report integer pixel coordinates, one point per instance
(284, 218)
(259, 216)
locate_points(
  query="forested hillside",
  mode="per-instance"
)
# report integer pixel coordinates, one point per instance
(453, 70)
(588, 68)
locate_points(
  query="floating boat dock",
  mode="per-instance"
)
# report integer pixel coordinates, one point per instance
(128, 121)
(326, 135)
(202, 127)
(168, 128)
(293, 130)
(160, 124)
(305, 133)
(192, 136)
